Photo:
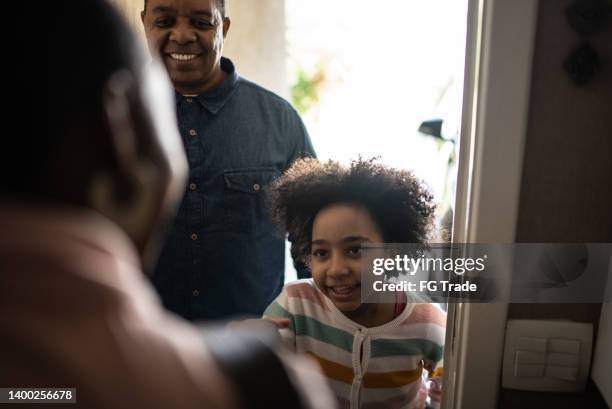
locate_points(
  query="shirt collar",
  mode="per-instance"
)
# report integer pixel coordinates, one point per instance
(214, 99)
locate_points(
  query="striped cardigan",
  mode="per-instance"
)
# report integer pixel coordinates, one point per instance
(367, 368)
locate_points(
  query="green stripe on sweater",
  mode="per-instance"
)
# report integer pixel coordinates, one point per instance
(302, 325)
(392, 347)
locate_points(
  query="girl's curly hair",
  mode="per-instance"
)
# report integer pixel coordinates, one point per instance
(397, 201)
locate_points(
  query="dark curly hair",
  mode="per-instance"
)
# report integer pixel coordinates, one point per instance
(397, 201)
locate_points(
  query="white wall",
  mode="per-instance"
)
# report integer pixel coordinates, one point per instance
(256, 42)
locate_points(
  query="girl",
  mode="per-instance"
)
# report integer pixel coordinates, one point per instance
(374, 355)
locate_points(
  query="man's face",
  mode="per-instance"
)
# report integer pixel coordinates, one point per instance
(187, 35)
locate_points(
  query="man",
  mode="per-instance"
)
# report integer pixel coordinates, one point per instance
(222, 256)
(75, 308)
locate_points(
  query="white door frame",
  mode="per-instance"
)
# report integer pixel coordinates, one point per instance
(499, 53)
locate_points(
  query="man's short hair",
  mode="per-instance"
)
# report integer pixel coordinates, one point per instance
(220, 6)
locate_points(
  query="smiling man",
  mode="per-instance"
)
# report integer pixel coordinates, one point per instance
(188, 36)
(222, 256)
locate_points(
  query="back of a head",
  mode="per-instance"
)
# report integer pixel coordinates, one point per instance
(87, 41)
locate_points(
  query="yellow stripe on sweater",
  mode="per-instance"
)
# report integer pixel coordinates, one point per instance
(345, 374)
(393, 379)
(334, 370)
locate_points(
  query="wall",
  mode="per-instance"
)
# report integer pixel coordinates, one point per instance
(566, 190)
(602, 362)
(256, 42)
(566, 193)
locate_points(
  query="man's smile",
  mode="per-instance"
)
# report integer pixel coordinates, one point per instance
(182, 56)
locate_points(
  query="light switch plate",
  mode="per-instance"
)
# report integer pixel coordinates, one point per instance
(548, 356)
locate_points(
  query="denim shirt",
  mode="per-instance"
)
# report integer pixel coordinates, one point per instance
(222, 256)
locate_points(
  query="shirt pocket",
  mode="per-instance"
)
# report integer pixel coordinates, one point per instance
(244, 198)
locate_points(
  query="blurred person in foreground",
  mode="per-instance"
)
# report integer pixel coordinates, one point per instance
(79, 218)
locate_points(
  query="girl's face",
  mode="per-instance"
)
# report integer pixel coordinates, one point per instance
(335, 259)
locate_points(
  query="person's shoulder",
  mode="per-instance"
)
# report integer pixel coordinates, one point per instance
(305, 292)
(426, 313)
(300, 288)
(264, 94)
(293, 290)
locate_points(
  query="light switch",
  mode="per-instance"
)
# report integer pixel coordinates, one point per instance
(565, 373)
(555, 358)
(567, 346)
(530, 358)
(532, 344)
(551, 355)
(524, 371)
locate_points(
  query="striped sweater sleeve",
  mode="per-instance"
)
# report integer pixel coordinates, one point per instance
(280, 308)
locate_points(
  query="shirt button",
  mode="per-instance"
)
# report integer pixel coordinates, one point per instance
(194, 236)
(189, 99)
(256, 187)
(193, 132)
(195, 293)
(192, 186)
